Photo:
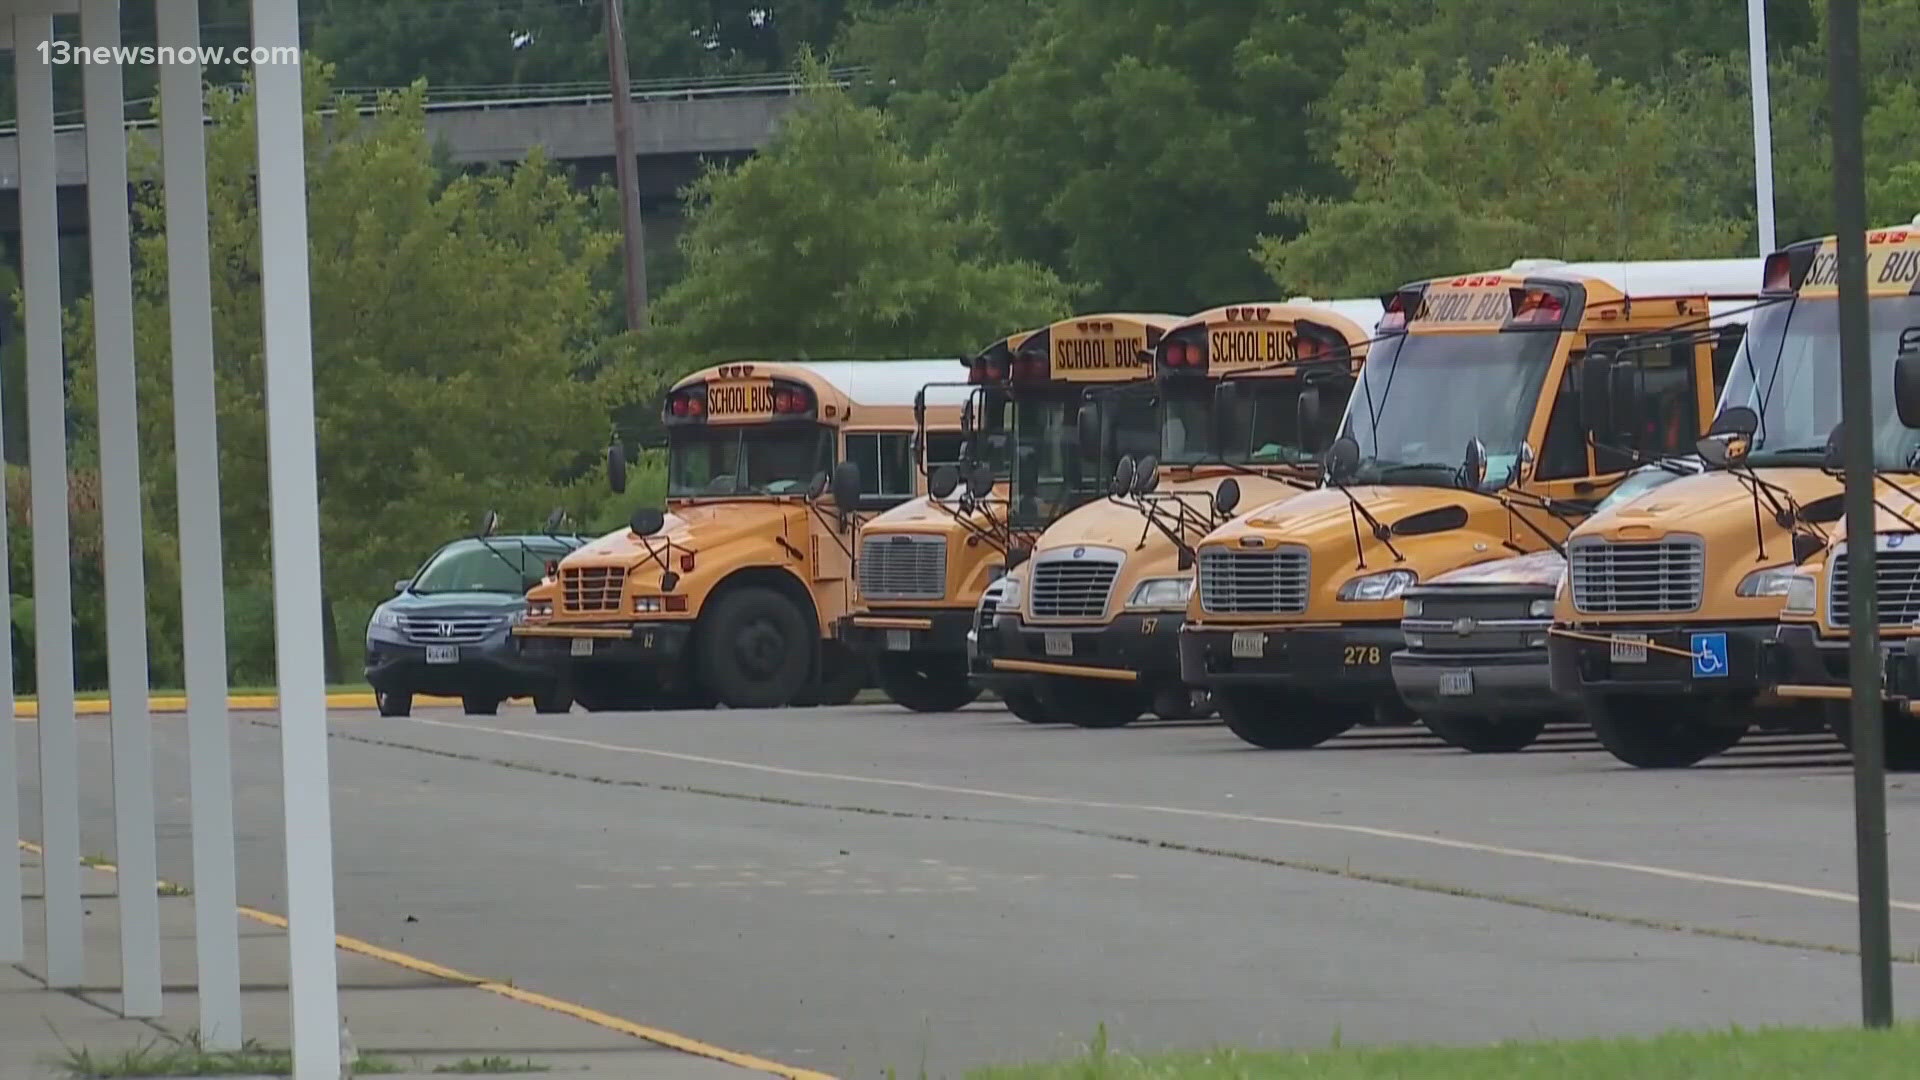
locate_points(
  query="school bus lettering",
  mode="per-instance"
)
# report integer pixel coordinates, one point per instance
(1466, 306)
(1901, 268)
(1097, 353)
(1233, 346)
(1825, 271)
(739, 399)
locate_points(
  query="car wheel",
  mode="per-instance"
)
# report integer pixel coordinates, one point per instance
(1487, 734)
(480, 704)
(393, 702)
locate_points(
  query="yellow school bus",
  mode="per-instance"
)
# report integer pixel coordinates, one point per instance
(731, 592)
(924, 564)
(1464, 441)
(1795, 422)
(1086, 631)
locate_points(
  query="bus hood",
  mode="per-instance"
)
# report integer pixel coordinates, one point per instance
(1715, 505)
(927, 516)
(695, 527)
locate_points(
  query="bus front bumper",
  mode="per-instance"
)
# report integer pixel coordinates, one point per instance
(1351, 662)
(924, 630)
(1666, 659)
(606, 643)
(1142, 649)
(1807, 666)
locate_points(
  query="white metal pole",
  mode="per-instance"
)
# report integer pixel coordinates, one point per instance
(47, 462)
(1762, 123)
(13, 930)
(288, 337)
(132, 732)
(183, 147)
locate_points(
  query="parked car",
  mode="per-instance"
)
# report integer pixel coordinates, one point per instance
(448, 629)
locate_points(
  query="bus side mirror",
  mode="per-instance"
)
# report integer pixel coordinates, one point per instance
(846, 486)
(1522, 466)
(555, 520)
(647, 521)
(980, 483)
(1906, 387)
(1836, 457)
(1726, 443)
(1307, 414)
(1122, 477)
(1596, 396)
(617, 468)
(1625, 403)
(1225, 394)
(1087, 431)
(944, 481)
(1146, 476)
(1473, 467)
(1343, 459)
(1226, 497)
(966, 419)
(488, 525)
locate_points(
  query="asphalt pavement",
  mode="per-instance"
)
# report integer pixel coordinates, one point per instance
(862, 889)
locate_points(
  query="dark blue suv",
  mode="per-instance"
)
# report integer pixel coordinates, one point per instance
(448, 631)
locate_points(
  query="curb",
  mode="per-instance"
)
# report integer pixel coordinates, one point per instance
(236, 703)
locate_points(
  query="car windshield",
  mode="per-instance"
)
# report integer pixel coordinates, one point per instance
(1262, 426)
(1422, 397)
(495, 565)
(1788, 372)
(747, 459)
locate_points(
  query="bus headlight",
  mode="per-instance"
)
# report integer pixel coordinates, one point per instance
(1382, 586)
(1800, 591)
(1011, 587)
(1771, 581)
(1161, 594)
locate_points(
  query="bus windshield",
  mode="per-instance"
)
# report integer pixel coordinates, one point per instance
(1263, 427)
(1052, 477)
(1792, 355)
(1422, 397)
(748, 459)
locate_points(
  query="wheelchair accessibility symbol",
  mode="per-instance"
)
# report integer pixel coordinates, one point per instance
(1709, 656)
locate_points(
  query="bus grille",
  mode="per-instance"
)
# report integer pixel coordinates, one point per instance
(1073, 588)
(903, 567)
(1637, 578)
(1896, 597)
(1254, 582)
(592, 588)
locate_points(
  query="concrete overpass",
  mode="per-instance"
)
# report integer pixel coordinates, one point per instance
(677, 126)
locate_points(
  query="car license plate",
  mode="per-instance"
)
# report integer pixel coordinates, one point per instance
(583, 646)
(1629, 648)
(1059, 643)
(443, 654)
(1249, 644)
(899, 640)
(1456, 683)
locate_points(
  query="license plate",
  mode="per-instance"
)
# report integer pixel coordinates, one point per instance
(443, 654)
(1629, 649)
(1249, 644)
(1456, 683)
(899, 640)
(583, 646)
(1059, 643)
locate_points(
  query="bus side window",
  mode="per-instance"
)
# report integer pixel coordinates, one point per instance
(1564, 454)
(885, 460)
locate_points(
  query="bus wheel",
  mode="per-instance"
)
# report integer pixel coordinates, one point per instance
(610, 688)
(843, 676)
(1026, 705)
(1278, 719)
(1487, 734)
(1900, 733)
(1666, 732)
(1090, 704)
(555, 697)
(925, 684)
(755, 649)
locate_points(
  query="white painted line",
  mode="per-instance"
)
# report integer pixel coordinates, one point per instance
(1782, 888)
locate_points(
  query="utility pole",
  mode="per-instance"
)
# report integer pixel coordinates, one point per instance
(1856, 416)
(625, 171)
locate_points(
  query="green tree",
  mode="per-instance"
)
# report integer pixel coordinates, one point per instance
(926, 58)
(452, 319)
(1486, 170)
(1133, 147)
(835, 241)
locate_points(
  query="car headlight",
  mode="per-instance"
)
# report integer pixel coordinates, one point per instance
(1540, 609)
(1416, 641)
(1382, 586)
(1162, 593)
(386, 619)
(1801, 592)
(1771, 581)
(1414, 608)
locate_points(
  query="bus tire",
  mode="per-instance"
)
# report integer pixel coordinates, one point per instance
(1900, 733)
(843, 675)
(1650, 732)
(925, 684)
(755, 649)
(1027, 705)
(393, 702)
(1487, 734)
(1098, 705)
(609, 688)
(1279, 719)
(554, 698)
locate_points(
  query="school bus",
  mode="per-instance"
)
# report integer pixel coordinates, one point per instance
(730, 593)
(1808, 655)
(1085, 632)
(1464, 441)
(924, 564)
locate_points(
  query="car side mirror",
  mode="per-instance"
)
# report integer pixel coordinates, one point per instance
(1473, 467)
(1596, 396)
(647, 521)
(617, 468)
(1906, 386)
(1087, 431)
(401, 585)
(1343, 459)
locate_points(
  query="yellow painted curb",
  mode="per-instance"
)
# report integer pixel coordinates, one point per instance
(657, 1036)
(237, 703)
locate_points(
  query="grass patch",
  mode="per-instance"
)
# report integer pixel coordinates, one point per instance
(1764, 1054)
(190, 1058)
(492, 1065)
